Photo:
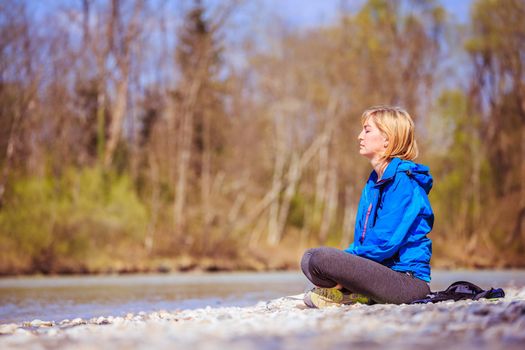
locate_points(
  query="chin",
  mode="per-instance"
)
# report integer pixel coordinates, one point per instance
(366, 155)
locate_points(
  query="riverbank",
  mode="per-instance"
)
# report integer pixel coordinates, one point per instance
(286, 323)
(55, 298)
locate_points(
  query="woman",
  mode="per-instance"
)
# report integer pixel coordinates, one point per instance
(389, 260)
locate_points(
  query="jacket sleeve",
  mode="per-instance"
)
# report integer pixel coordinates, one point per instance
(393, 224)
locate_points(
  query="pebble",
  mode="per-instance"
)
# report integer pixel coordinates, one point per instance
(102, 320)
(77, 321)
(40, 323)
(8, 328)
(286, 323)
(22, 332)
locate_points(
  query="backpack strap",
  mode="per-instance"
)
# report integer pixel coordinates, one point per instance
(491, 294)
(461, 290)
(464, 287)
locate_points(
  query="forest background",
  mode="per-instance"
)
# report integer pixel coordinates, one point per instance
(180, 135)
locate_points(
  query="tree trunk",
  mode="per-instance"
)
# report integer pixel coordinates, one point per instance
(294, 175)
(149, 240)
(280, 158)
(519, 228)
(349, 217)
(320, 180)
(186, 136)
(331, 203)
(206, 207)
(117, 118)
(10, 152)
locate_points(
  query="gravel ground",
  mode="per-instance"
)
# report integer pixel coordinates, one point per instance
(286, 324)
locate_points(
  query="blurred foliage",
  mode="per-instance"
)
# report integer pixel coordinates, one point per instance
(72, 219)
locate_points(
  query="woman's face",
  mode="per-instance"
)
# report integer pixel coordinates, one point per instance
(372, 142)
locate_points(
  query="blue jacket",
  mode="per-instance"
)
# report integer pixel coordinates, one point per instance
(394, 217)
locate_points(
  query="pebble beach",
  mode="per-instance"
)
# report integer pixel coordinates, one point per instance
(285, 323)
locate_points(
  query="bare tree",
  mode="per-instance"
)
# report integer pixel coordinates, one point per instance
(18, 83)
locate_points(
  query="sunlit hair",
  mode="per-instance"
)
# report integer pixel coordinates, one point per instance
(398, 127)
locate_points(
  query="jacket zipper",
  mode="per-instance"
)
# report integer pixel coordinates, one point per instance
(368, 212)
(366, 223)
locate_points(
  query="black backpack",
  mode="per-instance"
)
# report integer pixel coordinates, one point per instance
(461, 290)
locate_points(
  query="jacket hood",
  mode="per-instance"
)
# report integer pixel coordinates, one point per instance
(419, 172)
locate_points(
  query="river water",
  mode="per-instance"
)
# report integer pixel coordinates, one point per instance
(58, 298)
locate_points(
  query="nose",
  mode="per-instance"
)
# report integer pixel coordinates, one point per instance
(360, 136)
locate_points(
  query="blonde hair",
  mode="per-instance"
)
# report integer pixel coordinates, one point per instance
(398, 127)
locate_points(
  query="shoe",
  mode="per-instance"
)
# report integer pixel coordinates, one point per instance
(325, 297)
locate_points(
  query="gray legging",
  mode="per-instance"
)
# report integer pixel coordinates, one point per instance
(326, 267)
